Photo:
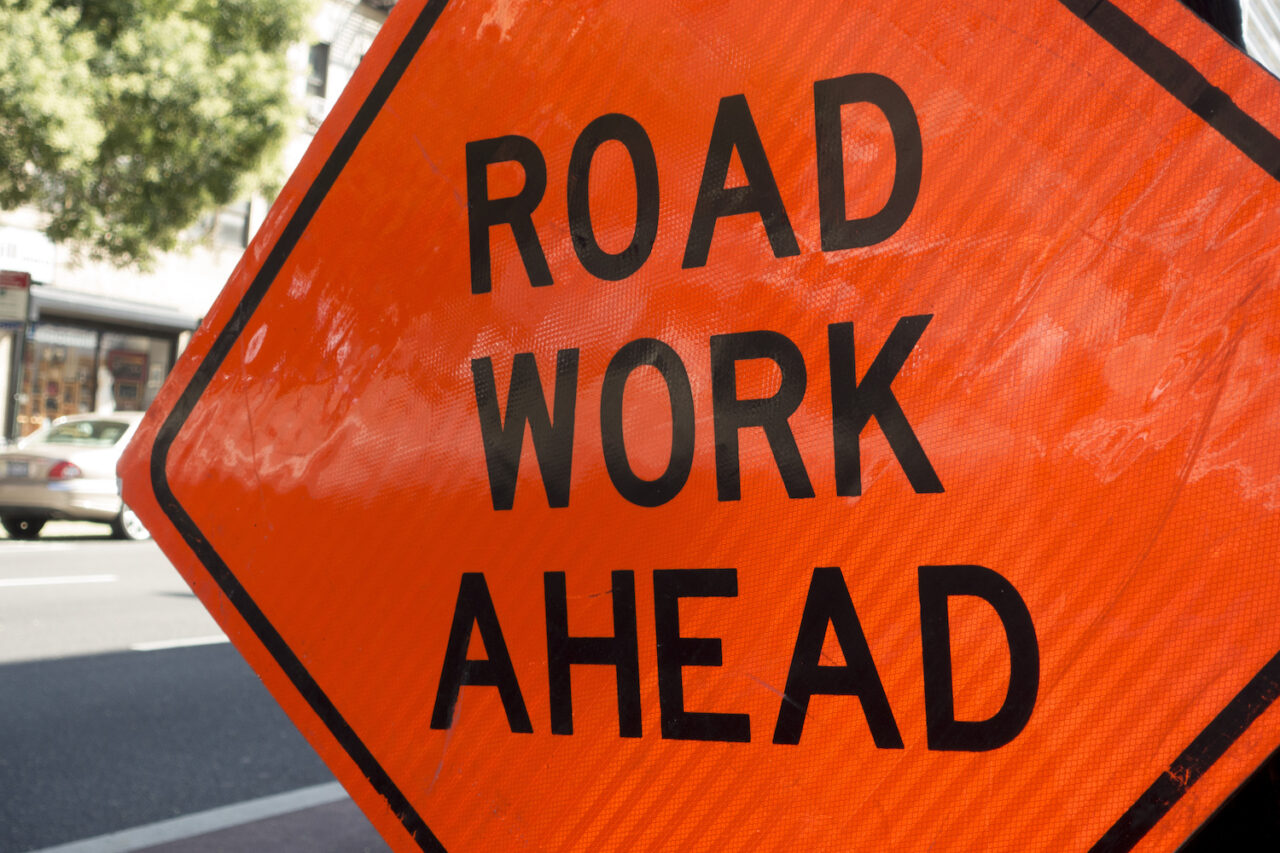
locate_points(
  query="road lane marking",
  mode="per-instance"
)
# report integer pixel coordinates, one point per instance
(202, 823)
(157, 645)
(58, 579)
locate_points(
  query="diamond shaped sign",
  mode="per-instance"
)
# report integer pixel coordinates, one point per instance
(729, 425)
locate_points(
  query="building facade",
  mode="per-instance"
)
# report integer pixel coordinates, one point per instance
(93, 337)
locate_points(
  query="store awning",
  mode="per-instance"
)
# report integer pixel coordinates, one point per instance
(50, 303)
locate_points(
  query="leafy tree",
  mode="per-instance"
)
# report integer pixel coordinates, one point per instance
(124, 120)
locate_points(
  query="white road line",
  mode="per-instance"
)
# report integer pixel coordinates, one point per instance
(58, 579)
(157, 645)
(201, 823)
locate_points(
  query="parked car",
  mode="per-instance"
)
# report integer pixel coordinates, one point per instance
(67, 470)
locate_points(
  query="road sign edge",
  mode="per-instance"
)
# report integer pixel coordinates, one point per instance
(226, 338)
(1192, 763)
(1177, 76)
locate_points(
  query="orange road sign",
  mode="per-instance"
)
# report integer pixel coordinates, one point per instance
(738, 426)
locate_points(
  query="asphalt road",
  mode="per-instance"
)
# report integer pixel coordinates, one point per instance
(82, 595)
(103, 727)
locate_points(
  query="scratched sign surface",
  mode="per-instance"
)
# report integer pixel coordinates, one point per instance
(736, 425)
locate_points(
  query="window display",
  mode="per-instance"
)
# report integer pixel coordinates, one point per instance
(70, 370)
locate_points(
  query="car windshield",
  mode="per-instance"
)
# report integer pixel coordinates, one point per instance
(95, 433)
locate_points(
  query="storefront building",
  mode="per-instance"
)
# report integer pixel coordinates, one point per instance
(85, 353)
(89, 337)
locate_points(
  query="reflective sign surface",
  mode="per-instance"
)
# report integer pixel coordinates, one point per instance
(725, 426)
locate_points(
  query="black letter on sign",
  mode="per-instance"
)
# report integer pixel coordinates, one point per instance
(945, 732)
(854, 403)
(731, 414)
(596, 260)
(503, 441)
(517, 210)
(828, 96)
(475, 607)
(664, 358)
(734, 128)
(676, 652)
(620, 651)
(829, 601)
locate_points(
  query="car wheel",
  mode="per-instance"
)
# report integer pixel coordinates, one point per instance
(129, 526)
(21, 527)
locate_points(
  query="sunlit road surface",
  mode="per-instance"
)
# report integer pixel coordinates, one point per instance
(122, 706)
(67, 595)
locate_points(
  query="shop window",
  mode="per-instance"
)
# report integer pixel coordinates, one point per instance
(224, 226)
(70, 370)
(232, 225)
(131, 370)
(57, 375)
(318, 73)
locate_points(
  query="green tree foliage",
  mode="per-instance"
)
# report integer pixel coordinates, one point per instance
(124, 120)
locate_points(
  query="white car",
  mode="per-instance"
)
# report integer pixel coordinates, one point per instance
(67, 470)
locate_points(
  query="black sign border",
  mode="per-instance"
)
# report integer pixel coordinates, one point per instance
(1160, 62)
